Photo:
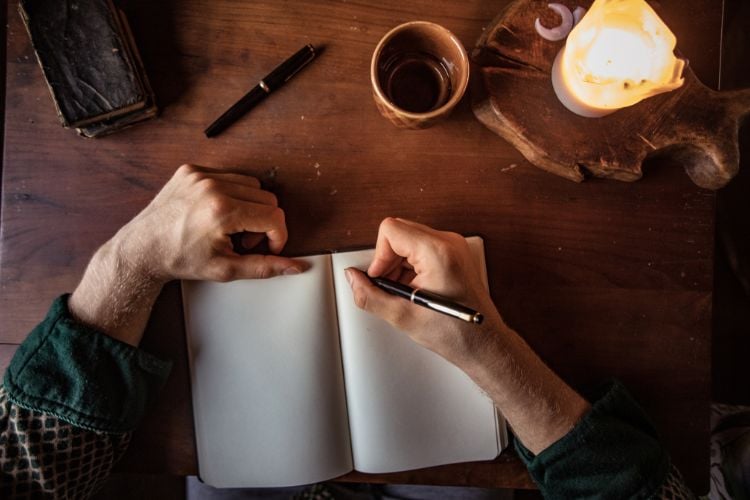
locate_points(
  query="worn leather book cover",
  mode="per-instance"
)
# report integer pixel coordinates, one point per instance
(150, 108)
(85, 59)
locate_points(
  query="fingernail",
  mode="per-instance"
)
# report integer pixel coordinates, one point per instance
(291, 270)
(349, 276)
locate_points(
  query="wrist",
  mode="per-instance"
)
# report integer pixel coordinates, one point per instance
(493, 353)
(116, 293)
(484, 341)
(132, 256)
(539, 405)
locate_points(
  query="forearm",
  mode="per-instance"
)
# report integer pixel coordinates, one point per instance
(117, 292)
(538, 405)
(70, 387)
(573, 449)
(80, 371)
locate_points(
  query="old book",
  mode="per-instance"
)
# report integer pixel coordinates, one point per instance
(112, 125)
(87, 59)
(293, 384)
(150, 108)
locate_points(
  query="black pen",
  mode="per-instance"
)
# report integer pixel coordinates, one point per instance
(429, 300)
(278, 77)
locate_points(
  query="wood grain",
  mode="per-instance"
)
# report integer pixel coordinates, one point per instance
(603, 278)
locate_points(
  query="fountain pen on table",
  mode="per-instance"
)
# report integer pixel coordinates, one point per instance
(277, 78)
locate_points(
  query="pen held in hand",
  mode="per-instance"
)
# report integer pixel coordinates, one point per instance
(429, 300)
(278, 77)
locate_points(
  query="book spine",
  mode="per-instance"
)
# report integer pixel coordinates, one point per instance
(25, 19)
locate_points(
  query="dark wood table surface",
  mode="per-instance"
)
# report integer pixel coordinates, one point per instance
(604, 279)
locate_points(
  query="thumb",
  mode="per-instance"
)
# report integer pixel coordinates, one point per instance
(255, 266)
(372, 299)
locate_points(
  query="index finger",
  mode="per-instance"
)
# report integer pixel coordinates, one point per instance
(229, 175)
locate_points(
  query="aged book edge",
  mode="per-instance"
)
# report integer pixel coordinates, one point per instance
(94, 130)
(135, 57)
(150, 110)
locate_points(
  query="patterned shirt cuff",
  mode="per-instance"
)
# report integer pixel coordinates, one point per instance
(83, 376)
(613, 452)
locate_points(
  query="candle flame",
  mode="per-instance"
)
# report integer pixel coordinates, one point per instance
(619, 54)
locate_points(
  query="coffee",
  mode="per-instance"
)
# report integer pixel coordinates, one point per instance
(419, 72)
(416, 82)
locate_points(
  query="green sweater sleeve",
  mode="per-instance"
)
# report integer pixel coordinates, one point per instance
(82, 376)
(613, 452)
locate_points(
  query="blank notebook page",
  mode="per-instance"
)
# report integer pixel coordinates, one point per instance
(268, 395)
(408, 407)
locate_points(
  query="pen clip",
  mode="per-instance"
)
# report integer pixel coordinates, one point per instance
(307, 61)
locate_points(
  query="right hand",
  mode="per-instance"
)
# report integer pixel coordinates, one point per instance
(539, 406)
(436, 261)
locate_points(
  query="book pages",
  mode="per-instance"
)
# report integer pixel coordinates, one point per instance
(267, 384)
(408, 407)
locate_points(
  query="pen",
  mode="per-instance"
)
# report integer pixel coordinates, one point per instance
(278, 77)
(429, 300)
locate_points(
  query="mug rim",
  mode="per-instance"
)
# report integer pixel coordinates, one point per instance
(457, 95)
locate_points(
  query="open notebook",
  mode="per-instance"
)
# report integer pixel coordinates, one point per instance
(293, 384)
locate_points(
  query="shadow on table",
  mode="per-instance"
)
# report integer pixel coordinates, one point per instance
(153, 26)
(731, 319)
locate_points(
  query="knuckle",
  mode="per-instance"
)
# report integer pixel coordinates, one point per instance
(454, 238)
(191, 173)
(279, 215)
(224, 274)
(265, 272)
(207, 185)
(195, 177)
(388, 223)
(186, 169)
(218, 205)
(272, 199)
(264, 268)
(361, 300)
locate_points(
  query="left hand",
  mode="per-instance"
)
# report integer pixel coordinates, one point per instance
(184, 233)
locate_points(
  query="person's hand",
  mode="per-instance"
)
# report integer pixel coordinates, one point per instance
(436, 261)
(184, 233)
(539, 406)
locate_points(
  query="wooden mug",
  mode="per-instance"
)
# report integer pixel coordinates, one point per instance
(419, 72)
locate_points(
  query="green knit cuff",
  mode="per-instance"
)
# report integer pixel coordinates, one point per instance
(613, 452)
(83, 376)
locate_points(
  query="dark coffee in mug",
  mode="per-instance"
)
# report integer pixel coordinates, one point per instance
(415, 81)
(419, 71)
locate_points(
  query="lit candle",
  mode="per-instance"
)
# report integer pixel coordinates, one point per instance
(620, 53)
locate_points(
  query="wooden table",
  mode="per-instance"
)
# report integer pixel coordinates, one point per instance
(604, 279)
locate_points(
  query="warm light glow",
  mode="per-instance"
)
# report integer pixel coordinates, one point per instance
(619, 54)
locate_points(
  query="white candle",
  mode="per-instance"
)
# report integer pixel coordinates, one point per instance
(619, 54)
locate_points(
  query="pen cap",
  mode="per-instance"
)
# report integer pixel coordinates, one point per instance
(288, 68)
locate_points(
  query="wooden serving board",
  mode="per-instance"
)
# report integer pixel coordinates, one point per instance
(512, 95)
